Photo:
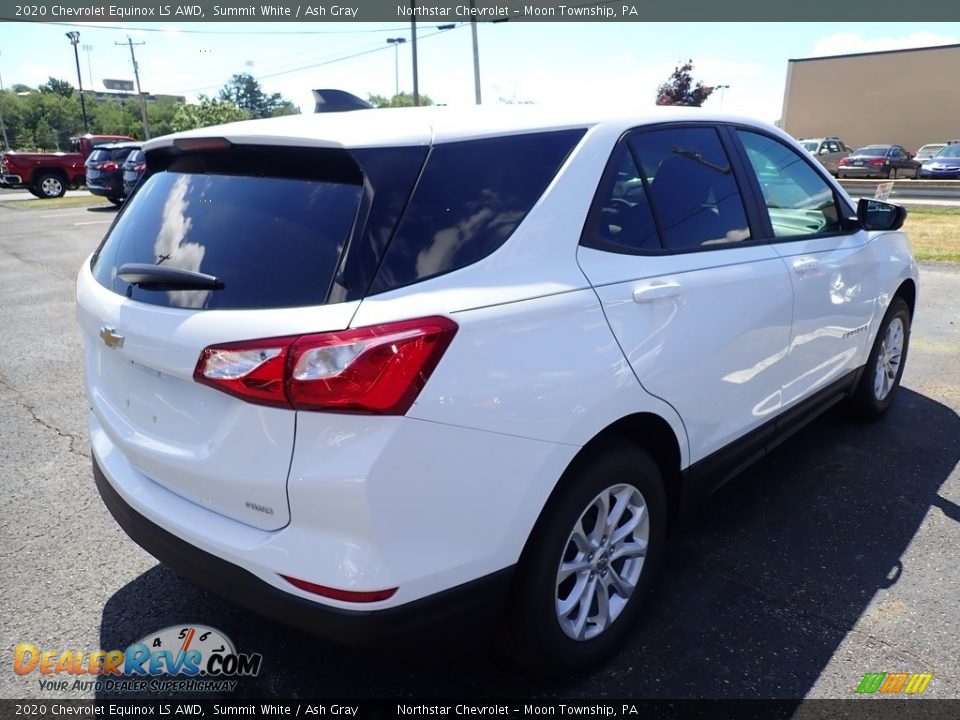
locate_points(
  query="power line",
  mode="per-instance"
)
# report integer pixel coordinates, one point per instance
(378, 48)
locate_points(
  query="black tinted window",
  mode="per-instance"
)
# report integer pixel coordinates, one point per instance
(273, 241)
(692, 188)
(468, 201)
(98, 156)
(623, 219)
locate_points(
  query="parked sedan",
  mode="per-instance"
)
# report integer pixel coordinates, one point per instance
(883, 161)
(944, 165)
(104, 172)
(133, 168)
(929, 150)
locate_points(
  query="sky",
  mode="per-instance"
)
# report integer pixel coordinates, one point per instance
(539, 62)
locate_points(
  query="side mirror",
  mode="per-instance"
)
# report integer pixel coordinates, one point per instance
(878, 215)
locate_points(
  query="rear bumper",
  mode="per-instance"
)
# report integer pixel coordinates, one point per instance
(11, 181)
(468, 608)
(863, 172)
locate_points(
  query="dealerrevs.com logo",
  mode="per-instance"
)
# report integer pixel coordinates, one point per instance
(894, 683)
(189, 658)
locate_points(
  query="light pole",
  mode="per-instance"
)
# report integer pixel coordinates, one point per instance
(396, 42)
(74, 39)
(721, 88)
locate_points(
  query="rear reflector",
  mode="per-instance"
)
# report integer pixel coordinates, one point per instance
(345, 595)
(379, 369)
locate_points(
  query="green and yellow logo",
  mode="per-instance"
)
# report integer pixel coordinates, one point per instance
(893, 683)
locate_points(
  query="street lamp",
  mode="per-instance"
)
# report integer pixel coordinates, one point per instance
(74, 40)
(721, 88)
(396, 42)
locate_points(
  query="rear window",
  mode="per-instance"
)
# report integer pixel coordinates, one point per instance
(270, 224)
(98, 156)
(136, 156)
(102, 154)
(469, 199)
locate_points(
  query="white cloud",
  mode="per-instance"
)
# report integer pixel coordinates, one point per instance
(852, 42)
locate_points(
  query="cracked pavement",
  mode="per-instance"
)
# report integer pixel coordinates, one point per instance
(833, 557)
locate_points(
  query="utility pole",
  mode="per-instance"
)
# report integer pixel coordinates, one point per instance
(6, 143)
(74, 37)
(136, 74)
(87, 49)
(413, 38)
(476, 51)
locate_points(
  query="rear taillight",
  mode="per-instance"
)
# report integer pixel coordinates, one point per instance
(878, 161)
(844, 161)
(379, 369)
(109, 166)
(140, 167)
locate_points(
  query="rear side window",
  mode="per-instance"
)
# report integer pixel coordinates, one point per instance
(270, 224)
(469, 199)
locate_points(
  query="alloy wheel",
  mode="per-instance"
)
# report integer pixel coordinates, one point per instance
(602, 561)
(888, 359)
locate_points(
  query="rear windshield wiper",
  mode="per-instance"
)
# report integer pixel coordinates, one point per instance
(162, 277)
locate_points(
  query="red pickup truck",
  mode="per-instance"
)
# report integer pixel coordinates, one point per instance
(50, 175)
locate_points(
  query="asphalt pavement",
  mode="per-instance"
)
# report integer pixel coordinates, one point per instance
(833, 557)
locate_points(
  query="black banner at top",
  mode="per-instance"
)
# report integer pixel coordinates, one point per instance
(435, 11)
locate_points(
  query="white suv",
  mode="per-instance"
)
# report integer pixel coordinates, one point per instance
(368, 371)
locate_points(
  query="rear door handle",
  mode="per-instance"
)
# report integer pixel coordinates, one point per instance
(805, 265)
(649, 293)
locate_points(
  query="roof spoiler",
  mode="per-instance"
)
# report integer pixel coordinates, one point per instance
(329, 100)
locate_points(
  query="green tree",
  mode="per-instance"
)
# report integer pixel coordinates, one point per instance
(680, 90)
(45, 136)
(401, 100)
(57, 87)
(209, 111)
(244, 92)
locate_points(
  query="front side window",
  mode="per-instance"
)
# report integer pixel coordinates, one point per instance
(799, 201)
(694, 194)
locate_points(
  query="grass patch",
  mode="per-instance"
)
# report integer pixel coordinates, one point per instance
(933, 234)
(57, 203)
(930, 209)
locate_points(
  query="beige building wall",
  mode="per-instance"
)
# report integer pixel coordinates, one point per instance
(903, 97)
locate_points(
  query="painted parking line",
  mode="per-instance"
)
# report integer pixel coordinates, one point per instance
(95, 222)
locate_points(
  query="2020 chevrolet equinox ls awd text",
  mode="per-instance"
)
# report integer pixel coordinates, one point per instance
(365, 371)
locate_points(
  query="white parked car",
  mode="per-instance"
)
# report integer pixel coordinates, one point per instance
(365, 371)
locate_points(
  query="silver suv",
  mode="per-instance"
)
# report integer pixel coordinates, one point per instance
(829, 151)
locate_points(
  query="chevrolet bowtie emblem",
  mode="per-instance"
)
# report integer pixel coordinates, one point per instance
(110, 337)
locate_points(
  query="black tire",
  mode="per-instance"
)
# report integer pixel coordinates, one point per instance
(33, 191)
(891, 173)
(872, 397)
(533, 627)
(50, 185)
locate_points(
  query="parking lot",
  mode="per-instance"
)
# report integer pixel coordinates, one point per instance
(834, 557)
